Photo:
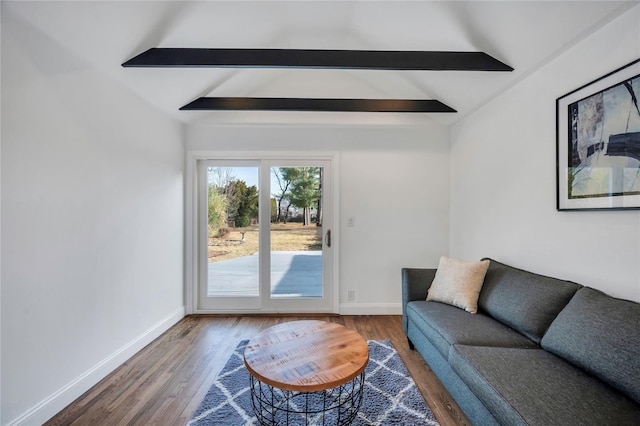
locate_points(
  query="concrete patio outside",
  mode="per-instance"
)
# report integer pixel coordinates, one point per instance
(293, 274)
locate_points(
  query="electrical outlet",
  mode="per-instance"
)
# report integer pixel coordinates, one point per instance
(351, 221)
(351, 295)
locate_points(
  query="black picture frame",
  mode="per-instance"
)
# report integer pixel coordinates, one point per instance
(598, 143)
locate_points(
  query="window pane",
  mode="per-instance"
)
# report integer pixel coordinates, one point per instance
(233, 232)
(296, 232)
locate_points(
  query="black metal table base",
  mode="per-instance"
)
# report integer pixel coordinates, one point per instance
(337, 406)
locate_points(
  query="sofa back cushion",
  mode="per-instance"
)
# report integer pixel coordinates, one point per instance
(524, 301)
(600, 334)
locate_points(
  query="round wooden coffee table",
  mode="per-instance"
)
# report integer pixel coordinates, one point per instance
(307, 371)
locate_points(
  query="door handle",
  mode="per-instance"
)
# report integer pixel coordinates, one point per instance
(327, 238)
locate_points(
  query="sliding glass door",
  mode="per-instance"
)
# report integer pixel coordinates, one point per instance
(265, 236)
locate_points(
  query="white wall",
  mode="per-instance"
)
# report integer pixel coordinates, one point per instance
(503, 177)
(92, 224)
(0, 226)
(392, 180)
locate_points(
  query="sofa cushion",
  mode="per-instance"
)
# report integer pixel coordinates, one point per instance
(458, 283)
(600, 333)
(445, 325)
(524, 301)
(535, 387)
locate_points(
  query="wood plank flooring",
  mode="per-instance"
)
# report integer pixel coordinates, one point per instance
(164, 383)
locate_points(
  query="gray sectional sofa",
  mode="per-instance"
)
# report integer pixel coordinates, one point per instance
(540, 351)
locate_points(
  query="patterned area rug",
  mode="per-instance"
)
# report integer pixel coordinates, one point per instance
(390, 395)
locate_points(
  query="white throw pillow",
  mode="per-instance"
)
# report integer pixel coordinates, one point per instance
(458, 283)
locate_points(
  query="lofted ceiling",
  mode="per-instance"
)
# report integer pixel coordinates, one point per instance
(524, 35)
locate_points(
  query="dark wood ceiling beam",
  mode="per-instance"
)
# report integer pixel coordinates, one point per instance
(317, 104)
(310, 58)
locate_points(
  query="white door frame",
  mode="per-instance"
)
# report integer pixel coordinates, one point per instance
(191, 215)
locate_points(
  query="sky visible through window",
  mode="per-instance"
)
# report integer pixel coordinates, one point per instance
(250, 176)
(247, 174)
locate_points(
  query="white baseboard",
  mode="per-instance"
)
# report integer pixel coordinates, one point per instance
(371, 309)
(65, 396)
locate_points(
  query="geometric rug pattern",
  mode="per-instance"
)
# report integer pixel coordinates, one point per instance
(391, 397)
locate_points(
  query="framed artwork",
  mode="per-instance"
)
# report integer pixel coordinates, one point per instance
(598, 143)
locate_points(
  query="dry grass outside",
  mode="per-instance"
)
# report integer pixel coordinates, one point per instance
(284, 237)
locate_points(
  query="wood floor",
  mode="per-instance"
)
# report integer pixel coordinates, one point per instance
(164, 383)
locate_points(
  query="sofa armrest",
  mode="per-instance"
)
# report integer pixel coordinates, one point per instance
(415, 284)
